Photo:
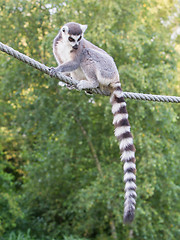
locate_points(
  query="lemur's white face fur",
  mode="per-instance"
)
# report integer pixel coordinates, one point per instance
(72, 34)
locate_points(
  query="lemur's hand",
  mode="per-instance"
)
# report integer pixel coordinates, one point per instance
(53, 71)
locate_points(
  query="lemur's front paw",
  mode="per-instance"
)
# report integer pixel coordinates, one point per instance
(53, 70)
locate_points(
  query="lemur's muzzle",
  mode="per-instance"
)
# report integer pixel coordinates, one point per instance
(75, 46)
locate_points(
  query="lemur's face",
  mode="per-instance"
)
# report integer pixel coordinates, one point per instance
(74, 40)
(72, 34)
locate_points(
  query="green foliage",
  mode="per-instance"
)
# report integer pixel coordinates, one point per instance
(28, 236)
(20, 236)
(60, 172)
(10, 211)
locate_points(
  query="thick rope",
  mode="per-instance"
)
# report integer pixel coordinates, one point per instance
(73, 82)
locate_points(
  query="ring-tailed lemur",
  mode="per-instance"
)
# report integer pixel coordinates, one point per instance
(93, 67)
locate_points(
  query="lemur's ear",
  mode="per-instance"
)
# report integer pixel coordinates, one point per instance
(65, 29)
(84, 27)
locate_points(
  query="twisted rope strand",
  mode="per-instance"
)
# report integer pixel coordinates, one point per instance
(70, 81)
(150, 97)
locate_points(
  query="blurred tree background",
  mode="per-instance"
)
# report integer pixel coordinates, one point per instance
(60, 170)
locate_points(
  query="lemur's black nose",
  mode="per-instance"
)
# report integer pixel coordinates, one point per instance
(75, 46)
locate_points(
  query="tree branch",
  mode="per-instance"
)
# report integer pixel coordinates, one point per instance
(98, 165)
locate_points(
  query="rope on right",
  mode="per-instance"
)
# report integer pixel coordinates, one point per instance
(150, 97)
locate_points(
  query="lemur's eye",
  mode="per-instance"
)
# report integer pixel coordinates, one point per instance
(79, 38)
(71, 39)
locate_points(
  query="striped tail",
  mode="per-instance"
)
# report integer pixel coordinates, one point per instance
(124, 136)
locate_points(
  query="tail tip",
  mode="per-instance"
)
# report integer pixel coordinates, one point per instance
(128, 217)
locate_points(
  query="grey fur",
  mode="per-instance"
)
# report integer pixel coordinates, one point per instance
(57, 38)
(74, 28)
(93, 67)
(89, 64)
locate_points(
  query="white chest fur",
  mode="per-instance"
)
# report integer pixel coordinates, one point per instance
(63, 50)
